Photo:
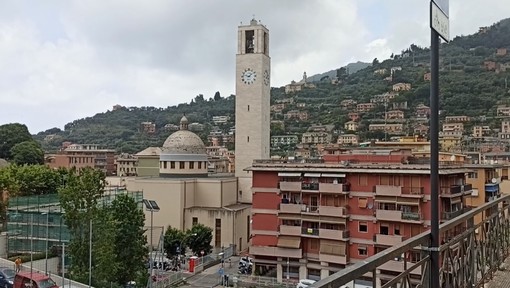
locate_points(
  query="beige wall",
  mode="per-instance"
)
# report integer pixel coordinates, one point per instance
(148, 166)
(234, 224)
(174, 195)
(186, 170)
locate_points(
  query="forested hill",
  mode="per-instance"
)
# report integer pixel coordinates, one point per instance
(468, 87)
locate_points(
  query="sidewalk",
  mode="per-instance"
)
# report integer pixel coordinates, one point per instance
(210, 277)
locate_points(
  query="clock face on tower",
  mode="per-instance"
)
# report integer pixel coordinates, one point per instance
(266, 77)
(248, 76)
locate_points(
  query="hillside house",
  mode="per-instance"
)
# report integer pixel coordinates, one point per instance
(421, 129)
(348, 103)
(316, 138)
(348, 140)
(277, 108)
(501, 52)
(365, 107)
(395, 114)
(301, 105)
(426, 76)
(402, 87)
(505, 126)
(354, 116)
(380, 71)
(295, 114)
(481, 131)
(453, 127)
(389, 128)
(461, 119)
(351, 126)
(489, 65)
(503, 110)
(422, 111)
(148, 127)
(400, 105)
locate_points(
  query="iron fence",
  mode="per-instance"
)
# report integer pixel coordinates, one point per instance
(470, 253)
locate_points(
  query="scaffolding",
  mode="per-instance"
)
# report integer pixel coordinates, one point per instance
(36, 223)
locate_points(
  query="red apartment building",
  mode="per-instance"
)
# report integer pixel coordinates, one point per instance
(311, 219)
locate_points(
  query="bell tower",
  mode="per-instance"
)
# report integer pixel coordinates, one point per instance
(253, 75)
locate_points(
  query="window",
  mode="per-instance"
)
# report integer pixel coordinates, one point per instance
(194, 221)
(164, 164)
(199, 164)
(362, 202)
(181, 164)
(248, 227)
(397, 230)
(384, 229)
(250, 41)
(473, 175)
(172, 164)
(192, 165)
(248, 138)
(363, 227)
(362, 251)
(217, 233)
(248, 108)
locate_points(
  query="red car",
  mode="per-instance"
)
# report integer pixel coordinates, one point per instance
(33, 280)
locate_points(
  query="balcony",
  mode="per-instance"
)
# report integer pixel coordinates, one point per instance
(290, 208)
(337, 259)
(290, 230)
(388, 190)
(333, 211)
(448, 215)
(388, 215)
(456, 190)
(331, 188)
(389, 240)
(334, 234)
(305, 231)
(290, 186)
(275, 252)
(395, 215)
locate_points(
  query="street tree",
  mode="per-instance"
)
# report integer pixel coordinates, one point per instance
(174, 238)
(105, 264)
(10, 135)
(199, 238)
(79, 198)
(130, 240)
(27, 152)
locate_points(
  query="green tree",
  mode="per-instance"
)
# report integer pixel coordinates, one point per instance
(199, 238)
(217, 96)
(174, 238)
(106, 267)
(10, 135)
(80, 198)
(130, 241)
(27, 152)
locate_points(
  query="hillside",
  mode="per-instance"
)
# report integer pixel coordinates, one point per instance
(350, 68)
(467, 88)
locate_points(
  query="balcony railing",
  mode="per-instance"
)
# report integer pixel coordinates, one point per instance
(334, 234)
(310, 186)
(290, 208)
(389, 240)
(290, 186)
(332, 188)
(290, 230)
(467, 260)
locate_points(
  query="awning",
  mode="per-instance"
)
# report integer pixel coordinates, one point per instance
(408, 201)
(385, 199)
(333, 175)
(289, 174)
(289, 242)
(313, 175)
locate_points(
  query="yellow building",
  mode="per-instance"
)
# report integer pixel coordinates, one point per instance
(485, 179)
(187, 194)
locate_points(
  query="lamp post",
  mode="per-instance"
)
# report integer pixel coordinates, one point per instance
(151, 206)
(31, 243)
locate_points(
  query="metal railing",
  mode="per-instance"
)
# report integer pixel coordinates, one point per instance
(469, 254)
(168, 279)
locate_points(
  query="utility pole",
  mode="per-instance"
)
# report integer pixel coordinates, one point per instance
(63, 264)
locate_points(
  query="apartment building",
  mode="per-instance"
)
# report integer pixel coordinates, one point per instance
(353, 116)
(485, 179)
(394, 114)
(222, 119)
(422, 111)
(313, 219)
(390, 128)
(481, 131)
(348, 139)
(316, 138)
(348, 103)
(84, 155)
(126, 164)
(351, 126)
(402, 87)
(462, 118)
(296, 114)
(148, 127)
(279, 140)
(365, 107)
(453, 127)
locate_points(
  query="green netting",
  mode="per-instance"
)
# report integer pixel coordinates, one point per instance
(36, 222)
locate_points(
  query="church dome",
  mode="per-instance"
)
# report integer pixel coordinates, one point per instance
(184, 141)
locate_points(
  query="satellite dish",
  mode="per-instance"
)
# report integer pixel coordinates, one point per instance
(452, 158)
(494, 180)
(370, 205)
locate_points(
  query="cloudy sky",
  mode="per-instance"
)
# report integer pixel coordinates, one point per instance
(61, 60)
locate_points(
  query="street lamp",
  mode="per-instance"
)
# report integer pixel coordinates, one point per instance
(90, 252)
(151, 206)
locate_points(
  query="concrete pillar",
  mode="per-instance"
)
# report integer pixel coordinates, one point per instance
(378, 283)
(303, 272)
(324, 270)
(279, 270)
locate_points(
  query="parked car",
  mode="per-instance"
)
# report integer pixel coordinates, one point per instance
(246, 261)
(33, 280)
(304, 283)
(6, 277)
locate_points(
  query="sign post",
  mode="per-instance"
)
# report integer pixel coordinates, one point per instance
(440, 26)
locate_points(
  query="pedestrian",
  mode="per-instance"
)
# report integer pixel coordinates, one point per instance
(17, 262)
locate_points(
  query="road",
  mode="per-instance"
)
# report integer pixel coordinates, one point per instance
(210, 277)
